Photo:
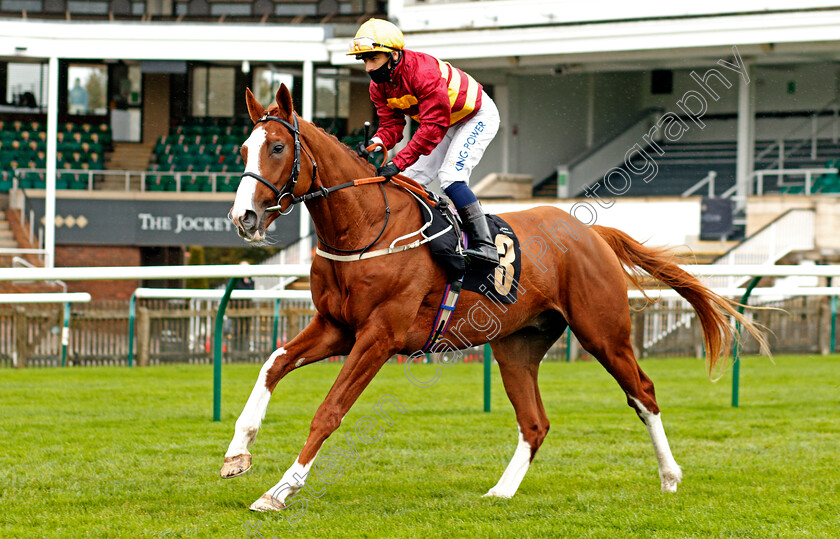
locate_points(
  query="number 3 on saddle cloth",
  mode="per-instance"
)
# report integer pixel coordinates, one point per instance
(499, 284)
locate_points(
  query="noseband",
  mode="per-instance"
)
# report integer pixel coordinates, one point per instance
(289, 187)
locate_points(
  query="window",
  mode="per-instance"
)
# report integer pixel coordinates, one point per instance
(87, 89)
(230, 9)
(26, 85)
(33, 6)
(267, 82)
(212, 91)
(87, 6)
(290, 10)
(332, 93)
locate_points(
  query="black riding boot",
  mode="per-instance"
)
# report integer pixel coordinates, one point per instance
(482, 250)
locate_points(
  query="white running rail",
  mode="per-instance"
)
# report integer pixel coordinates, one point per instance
(794, 230)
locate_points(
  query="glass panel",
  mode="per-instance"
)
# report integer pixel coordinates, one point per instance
(135, 86)
(289, 10)
(26, 85)
(220, 95)
(86, 6)
(33, 6)
(87, 89)
(199, 91)
(230, 9)
(138, 8)
(332, 94)
(267, 83)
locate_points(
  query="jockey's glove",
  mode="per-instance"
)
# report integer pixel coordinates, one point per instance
(361, 150)
(388, 170)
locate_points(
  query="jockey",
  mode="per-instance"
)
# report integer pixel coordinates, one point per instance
(457, 122)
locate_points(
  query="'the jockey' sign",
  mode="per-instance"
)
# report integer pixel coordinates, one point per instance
(149, 222)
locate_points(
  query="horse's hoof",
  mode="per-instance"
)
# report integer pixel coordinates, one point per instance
(493, 493)
(267, 503)
(234, 466)
(670, 479)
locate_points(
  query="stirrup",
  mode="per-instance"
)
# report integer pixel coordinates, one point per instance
(475, 257)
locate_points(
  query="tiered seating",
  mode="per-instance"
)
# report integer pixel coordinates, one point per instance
(685, 164)
(24, 145)
(196, 148)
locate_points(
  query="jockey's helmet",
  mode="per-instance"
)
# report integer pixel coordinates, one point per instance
(376, 35)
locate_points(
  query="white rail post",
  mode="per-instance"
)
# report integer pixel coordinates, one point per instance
(52, 147)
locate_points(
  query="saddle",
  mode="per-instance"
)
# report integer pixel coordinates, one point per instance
(496, 283)
(499, 284)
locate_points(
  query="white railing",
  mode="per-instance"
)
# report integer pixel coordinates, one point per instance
(792, 231)
(128, 175)
(708, 180)
(107, 273)
(807, 173)
(299, 252)
(815, 130)
(46, 297)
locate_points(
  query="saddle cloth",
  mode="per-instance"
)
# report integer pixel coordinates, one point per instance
(499, 283)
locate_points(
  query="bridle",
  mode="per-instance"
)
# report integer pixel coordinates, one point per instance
(289, 187)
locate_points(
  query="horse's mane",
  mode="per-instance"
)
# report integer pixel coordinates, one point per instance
(274, 110)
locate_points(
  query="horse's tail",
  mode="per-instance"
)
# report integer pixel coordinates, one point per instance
(712, 310)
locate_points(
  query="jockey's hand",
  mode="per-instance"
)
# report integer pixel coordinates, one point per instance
(361, 150)
(388, 170)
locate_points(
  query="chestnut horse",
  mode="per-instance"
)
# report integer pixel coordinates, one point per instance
(372, 308)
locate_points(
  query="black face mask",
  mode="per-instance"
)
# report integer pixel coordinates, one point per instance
(381, 74)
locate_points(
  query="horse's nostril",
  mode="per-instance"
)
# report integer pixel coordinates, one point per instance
(249, 220)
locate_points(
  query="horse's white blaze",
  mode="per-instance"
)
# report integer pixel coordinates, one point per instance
(670, 473)
(253, 414)
(293, 480)
(514, 473)
(248, 186)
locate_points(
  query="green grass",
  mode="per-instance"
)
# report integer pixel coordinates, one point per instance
(115, 452)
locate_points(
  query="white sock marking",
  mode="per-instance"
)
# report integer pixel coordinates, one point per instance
(253, 414)
(514, 473)
(670, 473)
(291, 483)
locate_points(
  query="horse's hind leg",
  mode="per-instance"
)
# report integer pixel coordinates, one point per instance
(519, 357)
(609, 342)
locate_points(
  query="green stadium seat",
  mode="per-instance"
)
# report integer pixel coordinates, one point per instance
(79, 182)
(6, 181)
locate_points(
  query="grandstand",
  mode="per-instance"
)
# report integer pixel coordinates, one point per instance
(577, 89)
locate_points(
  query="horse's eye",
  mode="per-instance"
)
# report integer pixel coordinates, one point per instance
(277, 148)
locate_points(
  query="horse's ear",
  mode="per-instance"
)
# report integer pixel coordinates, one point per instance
(284, 100)
(255, 110)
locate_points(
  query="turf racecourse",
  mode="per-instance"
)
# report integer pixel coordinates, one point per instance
(116, 452)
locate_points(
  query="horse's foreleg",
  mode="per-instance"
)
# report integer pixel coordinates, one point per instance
(364, 361)
(318, 340)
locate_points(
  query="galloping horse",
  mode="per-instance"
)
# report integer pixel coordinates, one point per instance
(374, 307)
